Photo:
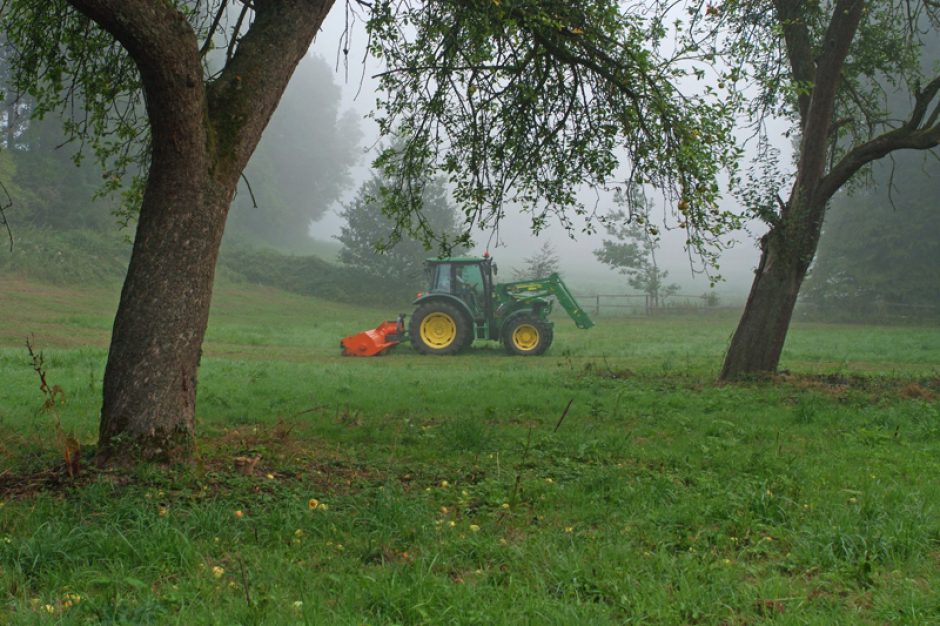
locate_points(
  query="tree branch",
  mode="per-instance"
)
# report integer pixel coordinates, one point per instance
(207, 44)
(279, 36)
(897, 139)
(922, 101)
(790, 14)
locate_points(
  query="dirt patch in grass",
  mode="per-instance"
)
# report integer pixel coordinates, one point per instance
(251, 458)
(55, 479)
(926, 389)
(917, 391)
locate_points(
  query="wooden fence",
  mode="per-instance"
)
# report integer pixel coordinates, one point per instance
(642, 304)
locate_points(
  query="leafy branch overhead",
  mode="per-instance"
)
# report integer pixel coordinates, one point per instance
(781, 57)
(69, 66)
(524, 102)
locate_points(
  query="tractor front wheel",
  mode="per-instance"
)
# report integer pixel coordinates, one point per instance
(439, 328)
(527, 335)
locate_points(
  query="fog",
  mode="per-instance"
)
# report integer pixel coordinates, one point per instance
(514, 240)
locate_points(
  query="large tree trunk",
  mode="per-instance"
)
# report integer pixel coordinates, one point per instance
(202, 135)
(789, 247)
(758, 340)
(787, 251)
(150, 380)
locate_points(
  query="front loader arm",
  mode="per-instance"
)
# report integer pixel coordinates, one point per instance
(551, 286)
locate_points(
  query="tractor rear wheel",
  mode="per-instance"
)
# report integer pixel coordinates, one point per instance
(439, 328)
(527, 335)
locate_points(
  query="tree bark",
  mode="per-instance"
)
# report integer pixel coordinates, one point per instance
(787, 250)
(203, 135)
(758, 341)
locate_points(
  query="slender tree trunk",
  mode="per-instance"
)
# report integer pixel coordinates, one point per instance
(12, 122)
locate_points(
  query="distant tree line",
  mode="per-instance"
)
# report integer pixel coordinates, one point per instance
(879, 253)
(300, 169)
(880, 250)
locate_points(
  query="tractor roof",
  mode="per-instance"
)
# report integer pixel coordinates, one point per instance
(457, 259)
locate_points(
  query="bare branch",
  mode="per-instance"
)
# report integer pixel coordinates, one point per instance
(210, 34)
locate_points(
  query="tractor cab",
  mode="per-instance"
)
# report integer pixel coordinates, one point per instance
(467, 279)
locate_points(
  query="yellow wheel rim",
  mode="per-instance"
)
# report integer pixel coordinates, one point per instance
(525, 337)
(438, 330)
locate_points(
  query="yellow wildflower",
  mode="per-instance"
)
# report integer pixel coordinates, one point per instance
(70, 599)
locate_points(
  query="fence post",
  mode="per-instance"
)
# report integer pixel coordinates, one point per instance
(597, 305)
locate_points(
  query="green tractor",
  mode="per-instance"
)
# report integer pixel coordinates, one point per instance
(463, 303)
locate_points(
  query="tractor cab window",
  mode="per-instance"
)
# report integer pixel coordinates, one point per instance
(440, 281)
(469, 277)
(469, 287)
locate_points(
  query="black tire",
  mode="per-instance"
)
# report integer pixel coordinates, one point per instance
(439, 327)
(527, 335)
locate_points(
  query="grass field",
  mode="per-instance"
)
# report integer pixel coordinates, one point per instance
(417, 490)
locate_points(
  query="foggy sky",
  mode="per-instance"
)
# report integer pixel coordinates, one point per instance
(582, 270)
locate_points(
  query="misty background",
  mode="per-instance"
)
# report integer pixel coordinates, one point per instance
(879, 252)
(515, 242)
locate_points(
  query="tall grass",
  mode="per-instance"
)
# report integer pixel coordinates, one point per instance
(413, 490)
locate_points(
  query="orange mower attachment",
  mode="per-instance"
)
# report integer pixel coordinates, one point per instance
(375, 342)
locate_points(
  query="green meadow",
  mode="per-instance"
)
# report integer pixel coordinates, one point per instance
(612, 481)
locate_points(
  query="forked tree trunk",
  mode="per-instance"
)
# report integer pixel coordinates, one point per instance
(202, 135)
(788, 249)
